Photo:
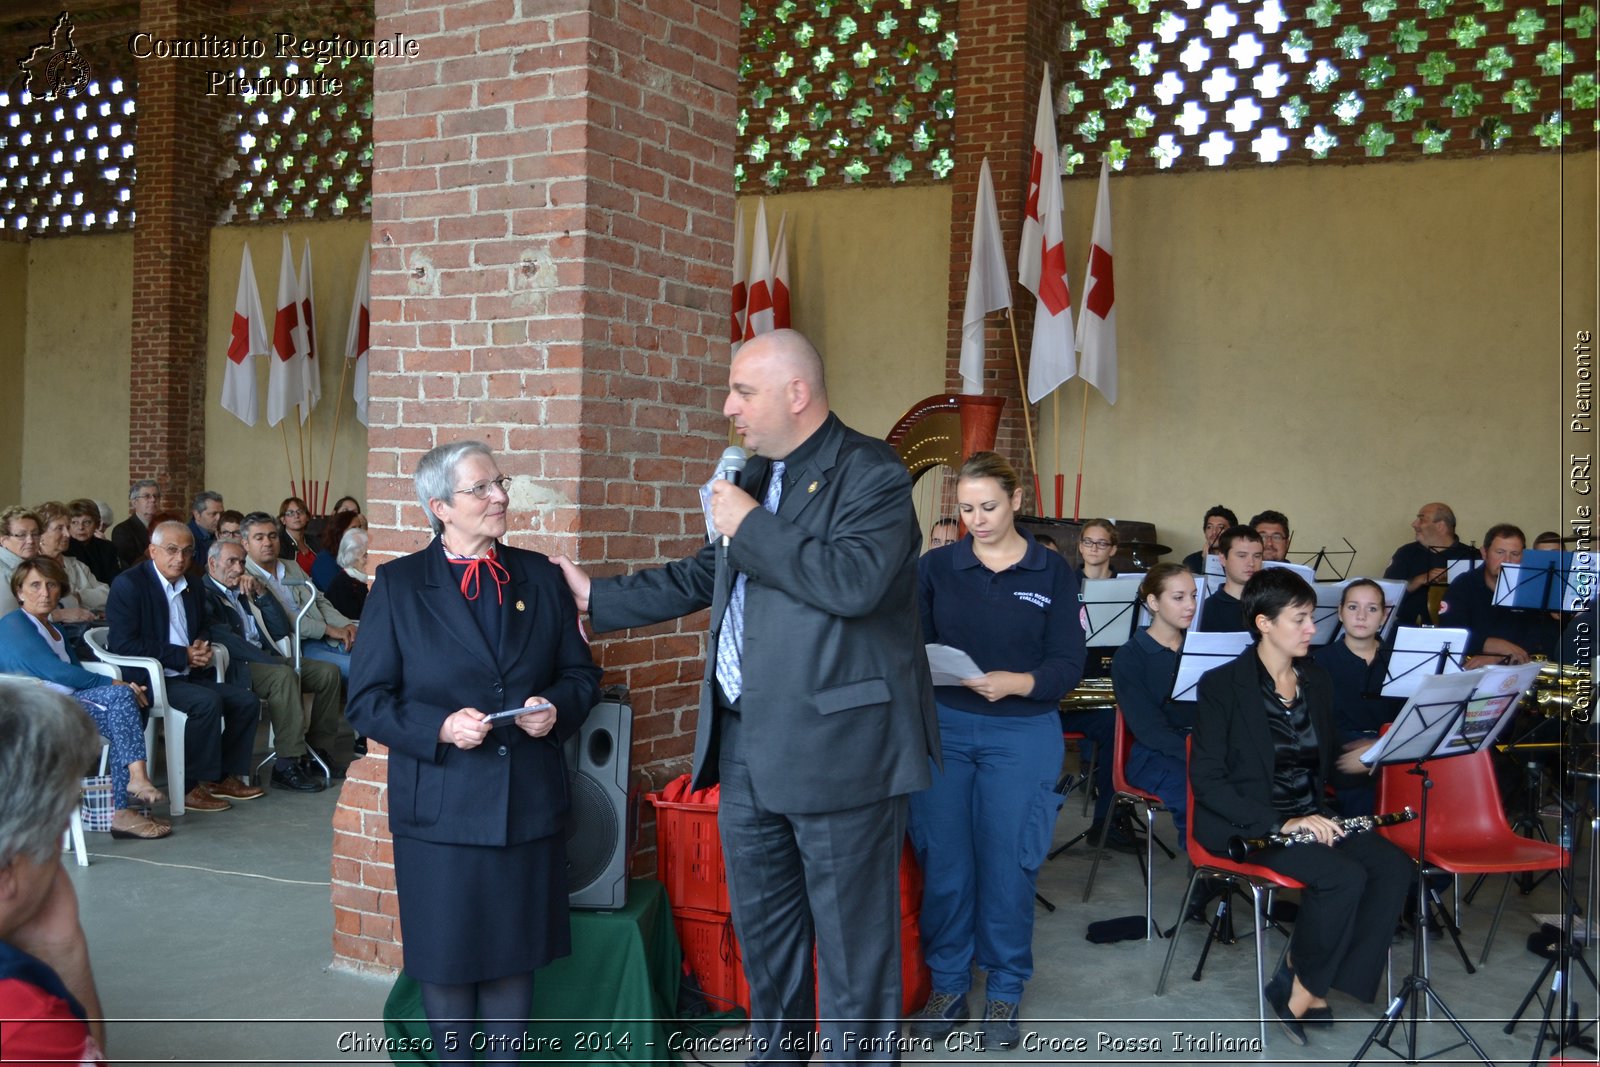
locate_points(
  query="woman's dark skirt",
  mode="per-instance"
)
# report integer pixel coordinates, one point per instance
(473, 913)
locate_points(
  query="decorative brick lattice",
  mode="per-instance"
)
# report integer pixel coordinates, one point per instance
(841, 92)
(66, 164)
(1195, 83)
(301, 157)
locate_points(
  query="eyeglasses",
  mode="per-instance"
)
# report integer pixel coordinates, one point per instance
(1273, 537)
(481, 490)
(1094, 544)
(173, 550)
(292, 511)
(32, 535)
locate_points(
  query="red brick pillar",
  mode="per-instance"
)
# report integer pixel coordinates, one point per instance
(552, 222)
(176, 143)
(1004, 47)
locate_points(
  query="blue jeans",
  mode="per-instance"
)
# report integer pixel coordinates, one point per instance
(1166, 777)
(328, 652)
(981, 831)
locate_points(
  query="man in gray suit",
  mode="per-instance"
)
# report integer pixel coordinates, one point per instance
(816, 710)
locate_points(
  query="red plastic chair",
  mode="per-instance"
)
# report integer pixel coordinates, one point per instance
(1262, 882)
(1084, 778)
(1468, 832)
(1126, 795)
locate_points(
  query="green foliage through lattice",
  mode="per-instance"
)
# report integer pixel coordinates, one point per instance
(1196, 83)
(870, 82)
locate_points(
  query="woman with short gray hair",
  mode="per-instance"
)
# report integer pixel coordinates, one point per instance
(472, 669)
(44, 956)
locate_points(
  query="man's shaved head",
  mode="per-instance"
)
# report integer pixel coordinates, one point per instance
(777, 396)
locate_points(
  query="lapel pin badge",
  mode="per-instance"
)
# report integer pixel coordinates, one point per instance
(520, 606)
(812, 488)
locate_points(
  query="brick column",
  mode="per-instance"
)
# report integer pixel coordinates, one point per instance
(1004, 47)
(175, 199)
(553, 223)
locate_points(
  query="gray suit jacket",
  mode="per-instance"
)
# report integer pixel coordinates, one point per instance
(837, 709)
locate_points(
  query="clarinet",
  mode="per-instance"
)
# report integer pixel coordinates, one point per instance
(1241, 848)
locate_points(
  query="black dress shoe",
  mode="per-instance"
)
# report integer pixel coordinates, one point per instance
(335, 769)
(1287, 1019)
(292, 777)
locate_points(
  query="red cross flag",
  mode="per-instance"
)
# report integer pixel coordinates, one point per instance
(357, 337)
(308, 319)
(987, 286)
(246, 338)
(740, 295)
(780, 275)
(286, 380)
(1042, 260)
(1097, 324)
(758, 311)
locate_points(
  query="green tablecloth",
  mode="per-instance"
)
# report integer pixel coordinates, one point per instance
(614, 1000)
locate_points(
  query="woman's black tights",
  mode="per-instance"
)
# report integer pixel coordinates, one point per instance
(454, 1011)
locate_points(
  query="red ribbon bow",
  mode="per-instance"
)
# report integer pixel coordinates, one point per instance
(472, 576)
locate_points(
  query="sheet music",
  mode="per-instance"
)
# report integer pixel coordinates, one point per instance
(1108, 610)
(1416, 657)
(1299, 568)
(1201, 653)
(950, 665)
(1429, 712)
(1455, 568)
(1547, 580)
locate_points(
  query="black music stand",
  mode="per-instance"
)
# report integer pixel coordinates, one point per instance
(1448, 716)
(1332, 557)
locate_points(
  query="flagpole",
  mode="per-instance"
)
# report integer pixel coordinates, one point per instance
(287, 461)
(1083, 431)
(1027, 417)
(1055, 419)
(300, 434)
(338, 413)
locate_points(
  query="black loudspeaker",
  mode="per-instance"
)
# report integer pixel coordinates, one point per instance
(597, 758)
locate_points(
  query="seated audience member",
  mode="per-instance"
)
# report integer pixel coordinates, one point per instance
(31, 646)
(325, 633)
(326, 565)
(1497, 634)
(1217, 521)
(155, 611)
(1097, 543)
(1241, 559)
(943, 532)
(19, 539)
(204, 515)
(86, 600)
(348, 590)
(1423, 563)
(243, 616)
(1273, 526)
(1263, 747)
(131, 536)
(49, 1009)
(96, 553)
(1142, 673)
(346, 503)
(1357, 663)
(228, 526)
(293, 540)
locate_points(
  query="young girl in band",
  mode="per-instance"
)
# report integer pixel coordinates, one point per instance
(1356, 665)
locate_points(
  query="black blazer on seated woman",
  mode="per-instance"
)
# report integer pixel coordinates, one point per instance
(421, 656)
(1231, 761)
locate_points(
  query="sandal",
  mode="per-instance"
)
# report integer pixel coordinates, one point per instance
(139, 826)
(148, 795)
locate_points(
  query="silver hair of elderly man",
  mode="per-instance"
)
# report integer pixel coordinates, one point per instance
(49, 744)
(436, 474)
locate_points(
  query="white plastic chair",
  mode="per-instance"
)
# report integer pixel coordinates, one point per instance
(176, 719)
(289, 647)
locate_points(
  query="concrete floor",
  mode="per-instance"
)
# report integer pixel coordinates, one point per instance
(213, 946)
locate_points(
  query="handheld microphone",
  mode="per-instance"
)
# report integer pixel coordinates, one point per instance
(728, 469)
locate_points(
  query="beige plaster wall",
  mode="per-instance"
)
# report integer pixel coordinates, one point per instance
(868, 284)
(79, 329)
(1342, 344)
(13, 339)
(247, 465)
(79, 320)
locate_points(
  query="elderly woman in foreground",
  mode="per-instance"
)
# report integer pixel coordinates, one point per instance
(49, 1009)
(471, 668)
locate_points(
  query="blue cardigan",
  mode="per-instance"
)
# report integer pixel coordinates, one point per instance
(23, 650)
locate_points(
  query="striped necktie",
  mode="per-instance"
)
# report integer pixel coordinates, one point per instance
(730, 645)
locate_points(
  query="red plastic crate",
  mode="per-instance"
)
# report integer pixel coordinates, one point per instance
(689, 855)
(712, 953)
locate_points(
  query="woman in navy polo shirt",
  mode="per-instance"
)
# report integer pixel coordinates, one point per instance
(983, 828)
(1357, 664)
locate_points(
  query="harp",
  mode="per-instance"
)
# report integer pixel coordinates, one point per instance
(942, 431)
